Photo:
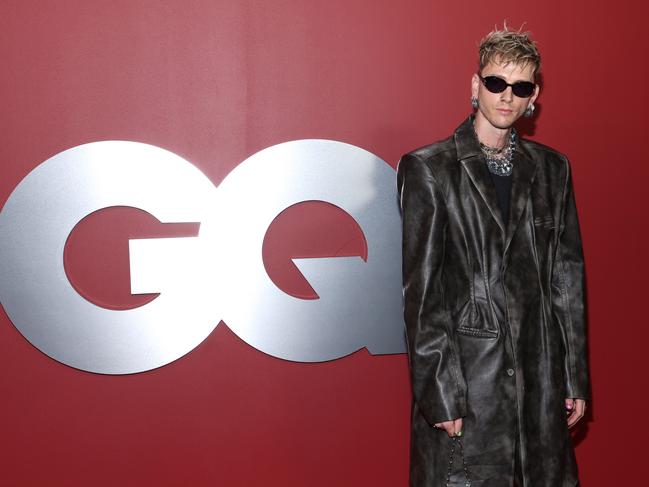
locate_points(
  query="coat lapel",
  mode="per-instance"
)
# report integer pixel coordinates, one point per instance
(470, 156)
(477, 170)
(523, 177)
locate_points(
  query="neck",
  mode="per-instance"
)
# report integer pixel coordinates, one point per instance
(488, 134)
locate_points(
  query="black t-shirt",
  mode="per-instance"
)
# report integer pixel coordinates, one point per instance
(503, 186)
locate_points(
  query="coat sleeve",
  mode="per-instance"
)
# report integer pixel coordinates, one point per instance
(568, 299)
(438, 385)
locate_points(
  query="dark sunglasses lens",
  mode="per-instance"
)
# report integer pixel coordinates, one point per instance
(495, 84)
(523, 89)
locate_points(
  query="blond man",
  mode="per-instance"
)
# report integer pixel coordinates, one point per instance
(493, 291)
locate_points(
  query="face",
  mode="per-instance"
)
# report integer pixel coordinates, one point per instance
(501, 110)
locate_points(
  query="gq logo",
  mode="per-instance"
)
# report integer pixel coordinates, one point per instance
(218, 275)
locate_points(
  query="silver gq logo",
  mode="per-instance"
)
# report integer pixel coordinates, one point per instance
(218, 275)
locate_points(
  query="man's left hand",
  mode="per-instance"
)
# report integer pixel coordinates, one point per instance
(575, 409)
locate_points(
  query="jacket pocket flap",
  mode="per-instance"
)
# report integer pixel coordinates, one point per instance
(476, 332)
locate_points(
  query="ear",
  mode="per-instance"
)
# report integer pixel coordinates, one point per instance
(535, 95)
(475, 85)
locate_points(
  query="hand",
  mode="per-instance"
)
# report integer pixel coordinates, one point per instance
(452, 428)
(575, 409)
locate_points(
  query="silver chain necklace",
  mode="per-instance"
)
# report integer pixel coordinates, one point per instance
(499, 161)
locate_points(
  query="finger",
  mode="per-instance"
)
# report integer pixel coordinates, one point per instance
(572, 419)
(578, 412)
(570, 406)
(450, 428)
(581, 403)
(570, 410)
(440, 426)
(457, 426)
(580, 409)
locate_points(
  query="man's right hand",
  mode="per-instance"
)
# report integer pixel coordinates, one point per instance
(452, 428)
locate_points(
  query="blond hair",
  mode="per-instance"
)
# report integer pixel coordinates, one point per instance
(509, 46)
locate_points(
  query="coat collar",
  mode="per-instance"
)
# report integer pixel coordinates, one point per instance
(471, 157)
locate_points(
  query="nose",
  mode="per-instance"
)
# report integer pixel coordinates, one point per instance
(507, 95)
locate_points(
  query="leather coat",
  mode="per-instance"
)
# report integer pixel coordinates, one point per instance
(494, 313)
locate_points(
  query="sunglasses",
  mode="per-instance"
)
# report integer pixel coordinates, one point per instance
(522, 89)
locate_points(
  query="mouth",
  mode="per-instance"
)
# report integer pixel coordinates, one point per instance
(504, 111)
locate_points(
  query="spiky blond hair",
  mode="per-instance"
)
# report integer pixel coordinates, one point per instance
(509, 46)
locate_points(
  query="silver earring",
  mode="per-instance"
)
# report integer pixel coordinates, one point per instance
(474, 102)
(529, 111)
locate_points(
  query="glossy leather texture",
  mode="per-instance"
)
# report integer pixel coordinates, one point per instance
(494, 313)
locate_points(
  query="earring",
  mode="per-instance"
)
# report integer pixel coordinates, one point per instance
(529, 111)
(474, 102)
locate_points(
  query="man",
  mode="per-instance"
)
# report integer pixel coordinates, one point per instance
(493, 291)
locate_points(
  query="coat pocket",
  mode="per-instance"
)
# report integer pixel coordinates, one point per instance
(478, 324)
(476, 332)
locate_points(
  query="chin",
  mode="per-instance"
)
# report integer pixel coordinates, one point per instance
(497, 120)
(503, 124)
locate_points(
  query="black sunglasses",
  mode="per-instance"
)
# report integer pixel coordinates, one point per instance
(522, 89)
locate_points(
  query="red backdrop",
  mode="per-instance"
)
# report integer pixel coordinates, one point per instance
(216, 81)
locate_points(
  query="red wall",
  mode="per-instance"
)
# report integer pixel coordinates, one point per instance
(216, 81)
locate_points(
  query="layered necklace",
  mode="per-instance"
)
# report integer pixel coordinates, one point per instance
(499, 161)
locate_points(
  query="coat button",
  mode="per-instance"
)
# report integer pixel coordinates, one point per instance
(510, 372)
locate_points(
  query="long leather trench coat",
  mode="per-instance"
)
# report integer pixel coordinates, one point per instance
(494, 313)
